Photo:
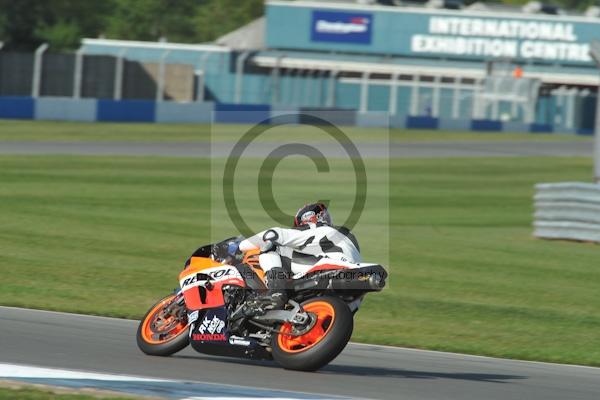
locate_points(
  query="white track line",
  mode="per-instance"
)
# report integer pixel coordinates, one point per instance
(178, 389)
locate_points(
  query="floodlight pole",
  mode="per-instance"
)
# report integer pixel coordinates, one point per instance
(595, 54)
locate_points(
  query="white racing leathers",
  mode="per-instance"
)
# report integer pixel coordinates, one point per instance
(299, 249)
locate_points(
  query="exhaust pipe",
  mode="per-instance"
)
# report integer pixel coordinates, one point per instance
(376, 282)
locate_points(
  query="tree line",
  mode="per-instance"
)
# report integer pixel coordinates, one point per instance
(25, 24)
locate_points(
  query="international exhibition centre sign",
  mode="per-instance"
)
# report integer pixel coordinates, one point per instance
(501, 38)
(431, 33)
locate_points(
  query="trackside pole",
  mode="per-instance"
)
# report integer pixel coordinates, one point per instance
(37, 70)
(597, 140)
(595, 54)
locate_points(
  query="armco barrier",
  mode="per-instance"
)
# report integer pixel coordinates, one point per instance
(242, 113)
(65, 109)
(398, 121)
(513, 126)
(422, 122)
(167, 111)
(126, 110)
(89, 109)
(454, 124)
(486, 125)
(585, 132)
(373, 119)
(335, 116)
(540, 128)
(16, 107)
(567, 210)
(286, 115)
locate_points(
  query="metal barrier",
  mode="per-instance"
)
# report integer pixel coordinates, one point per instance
(567, 210)
(80, 75)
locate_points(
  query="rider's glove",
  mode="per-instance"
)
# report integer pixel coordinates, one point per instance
(233, 248)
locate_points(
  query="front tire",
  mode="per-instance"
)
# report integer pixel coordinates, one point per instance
(322, 343)
(161, 332)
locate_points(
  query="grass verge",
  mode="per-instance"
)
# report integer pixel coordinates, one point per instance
(25, 392)
(108, 235)
(81, 131)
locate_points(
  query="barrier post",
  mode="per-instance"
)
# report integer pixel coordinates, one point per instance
(414, 95)
(393, 104)
(239, 72)
(456, 97)
(276, 81)
(320, 78)
(37, 70)
(160, 86)
(595, 53)
(78, 75)
(118, 84)
(364, 92)
(331, 91)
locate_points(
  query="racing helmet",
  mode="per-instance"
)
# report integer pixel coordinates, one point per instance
(312, 214)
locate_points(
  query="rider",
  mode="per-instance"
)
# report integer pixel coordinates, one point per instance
(285, 251)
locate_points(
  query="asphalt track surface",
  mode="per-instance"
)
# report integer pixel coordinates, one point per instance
(99, 344)
(366, 149)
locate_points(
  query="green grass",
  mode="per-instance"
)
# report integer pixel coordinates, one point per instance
(30, 393)
(73, 131)
(108, 236)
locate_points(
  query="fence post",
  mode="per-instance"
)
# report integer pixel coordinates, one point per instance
(308, 87)
(201, 74)
(78, 75)
(37, 70)
(320, 76)
(572, 94)
(393, 104)
(597, 140)
(364, 92)
(331, 91)
(118, 84)
(436, 98)
(288, 87)
(478, 102)
(298, 86)
(160, 85)
(239, 72)
(414, 95)
(456, 98)
(276, 81)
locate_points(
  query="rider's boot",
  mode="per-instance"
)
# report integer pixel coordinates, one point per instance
(274, 298)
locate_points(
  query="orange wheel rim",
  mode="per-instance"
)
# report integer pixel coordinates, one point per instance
(159, 327)
(325, 315)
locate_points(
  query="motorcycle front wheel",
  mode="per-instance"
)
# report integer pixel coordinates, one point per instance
(163, 331)
(330, 332)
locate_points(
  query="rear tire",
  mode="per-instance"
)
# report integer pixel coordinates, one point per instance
(304, 354)
(171, 340)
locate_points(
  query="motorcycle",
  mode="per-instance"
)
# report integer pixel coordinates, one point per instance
(209, 310)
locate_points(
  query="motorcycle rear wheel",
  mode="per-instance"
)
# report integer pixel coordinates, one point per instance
(161, 333)
(322, 343)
